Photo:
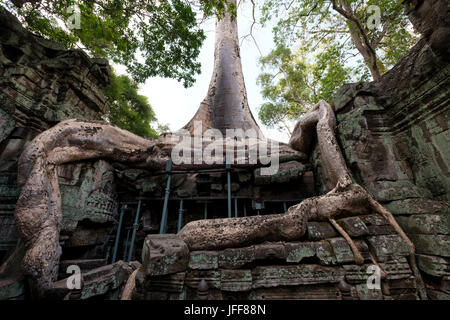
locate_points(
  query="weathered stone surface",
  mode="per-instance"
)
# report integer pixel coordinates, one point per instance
(373, 220)
(270, 251)
(82, 237)
(399, 190)
(297, 251)
(304, 292)
(100, 281)
(234, 258)
(425, 224)
(432, 265)
(106, 280)
(7, 124)
(377, 225)
(320, 231)
(388, 247)
(203, 260)
(212, 278)
(12, 288)
(364, 293)
(438, 245)
(403, 289)
(164, 254)
(172, 283)
(274, 276)
(396, 269)
(325, 253)
(236, 280)
(87, 192)
(417, 206)
(356, 273)
(353, 226)
(344, 253)
(288, 171)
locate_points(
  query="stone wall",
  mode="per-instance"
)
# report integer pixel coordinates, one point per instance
(41, 84)
(396, 141)
(320, 266)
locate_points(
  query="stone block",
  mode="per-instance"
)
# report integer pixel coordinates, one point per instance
(303, 292)
(270, 251)
(396, 269)
(203, 260)
(325, 254)
(164, 254)
(388, 247)
(438, 245)
(275, 276)
(236, 280)
(173, 283)
(425, 224)
(212, 278)
(373, 220)
(401, 192)
(353, 226)
(320, 231)
(98, 282)
(364, 293)
(417, 206)
(344, 253)
(12, 288)
(434, 266)
(356, 273)
(234, 258)
(297, 251)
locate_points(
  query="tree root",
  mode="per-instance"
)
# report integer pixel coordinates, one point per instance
(130, 286)
(38, 209)
(346, 198)
(356, 253)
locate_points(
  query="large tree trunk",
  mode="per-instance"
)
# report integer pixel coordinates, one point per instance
(226, 105)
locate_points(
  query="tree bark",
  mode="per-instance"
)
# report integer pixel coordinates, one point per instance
(226, 105)
(38, 210)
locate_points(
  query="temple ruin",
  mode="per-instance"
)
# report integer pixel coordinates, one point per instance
(364, 182)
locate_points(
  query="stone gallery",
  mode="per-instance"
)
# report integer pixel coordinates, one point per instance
(358, 207)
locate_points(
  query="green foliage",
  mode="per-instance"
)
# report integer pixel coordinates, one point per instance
(150, 37)
(323, 43)
(129, 110)
(293, 83)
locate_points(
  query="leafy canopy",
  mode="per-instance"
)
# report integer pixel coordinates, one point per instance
(128, 109)
(320, 44)
(150, 37)
(292, 83)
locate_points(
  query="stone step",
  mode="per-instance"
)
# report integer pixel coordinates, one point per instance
(96, 282)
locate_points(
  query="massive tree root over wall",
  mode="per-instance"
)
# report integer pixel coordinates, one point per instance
(38, 210)
(346, 198)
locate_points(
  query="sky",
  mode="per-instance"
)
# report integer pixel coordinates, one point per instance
(174, 105)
